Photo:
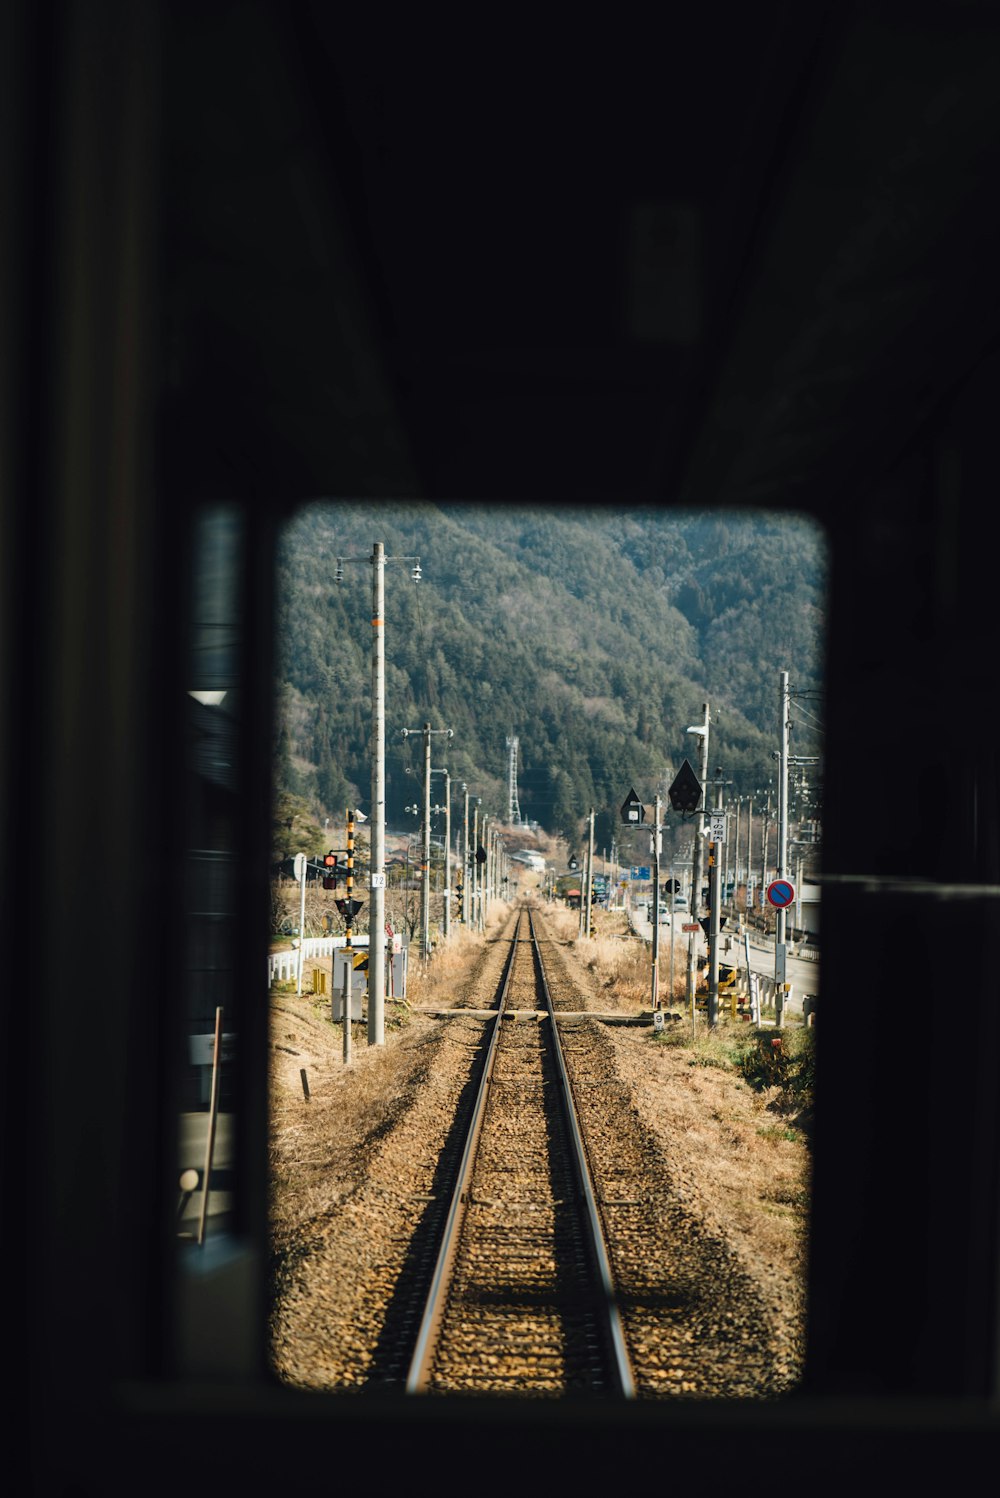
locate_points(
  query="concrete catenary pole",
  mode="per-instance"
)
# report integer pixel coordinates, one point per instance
(474, 866)
(447, 854)
(746, 890)
(671, 930)
(699, 838)
(714, 903)
(348, 953)
(654, 996)
(466, 870)
(763, 853)
(484, 891)
(376, 923)
(589, 930)
(780, 949)
(301, 867)
(425, 853)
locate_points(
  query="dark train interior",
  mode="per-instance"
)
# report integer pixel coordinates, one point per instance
(258, 254)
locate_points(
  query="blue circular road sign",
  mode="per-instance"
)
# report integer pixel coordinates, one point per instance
(781, 892)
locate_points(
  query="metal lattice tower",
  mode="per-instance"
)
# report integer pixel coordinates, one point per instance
(513, 810)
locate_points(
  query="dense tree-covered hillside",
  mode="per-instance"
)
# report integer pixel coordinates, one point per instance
(593, 635)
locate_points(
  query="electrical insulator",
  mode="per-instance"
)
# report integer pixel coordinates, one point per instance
(338, 575)
(417, 574)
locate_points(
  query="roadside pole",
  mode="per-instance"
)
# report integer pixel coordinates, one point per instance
(466, 871)
(300, 874)
(671, 930)
(376, 879)
(425, 869)
(715, 848)
(376, 940)
(590, 873)
(699, 839)
(753, 988)
(780, 949)
(425, 854)
(348, 962)
(746, 887)
(655, 842)
(474, 898)
(484, 881)
(447, 855)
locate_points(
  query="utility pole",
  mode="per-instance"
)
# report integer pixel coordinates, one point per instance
(484, 883)
(348, 963)
(746, 890)
(425, 853)
(655, 840)
(714, 902)
(376, 920)
(425, 870)
(474, 908)
(671, 929)
(699, 837)
(376, 924)
(780, 949)
(736, 851)
(447, 854)
(763, 852)
(590, 872)
(466, 870)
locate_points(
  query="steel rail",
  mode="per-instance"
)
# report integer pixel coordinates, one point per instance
(418, 1376)
(620, 1361)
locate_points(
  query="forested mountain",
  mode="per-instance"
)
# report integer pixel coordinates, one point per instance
(593, 635)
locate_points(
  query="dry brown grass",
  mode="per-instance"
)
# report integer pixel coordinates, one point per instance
(749, 1169)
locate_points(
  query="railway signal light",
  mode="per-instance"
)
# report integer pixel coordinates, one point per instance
(349, 908)
(330, 876)
(685, 790)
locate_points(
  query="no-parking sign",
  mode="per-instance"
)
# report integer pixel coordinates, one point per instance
(780, 892)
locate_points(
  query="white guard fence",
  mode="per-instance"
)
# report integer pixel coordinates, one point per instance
(283, 967)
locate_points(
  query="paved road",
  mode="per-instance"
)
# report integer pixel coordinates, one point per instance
(803, 973)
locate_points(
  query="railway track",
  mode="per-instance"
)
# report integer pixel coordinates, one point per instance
(521, 1299)
(516, 1310)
